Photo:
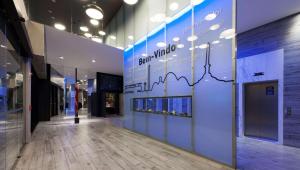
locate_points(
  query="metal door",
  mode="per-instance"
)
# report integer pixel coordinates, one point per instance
(261, 110)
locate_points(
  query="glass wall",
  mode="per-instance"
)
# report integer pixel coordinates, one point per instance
(11, 102)
(179, 62)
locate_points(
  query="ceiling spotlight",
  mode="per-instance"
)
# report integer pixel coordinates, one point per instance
(94, 12)
(176, 39)
(3, 46)
(180, 45)
(59, 26)
(94, 22)
(216, 42)
(89, 35)
(102, 33)
(61, 57)
(214, 27)
(197, 2)
(113, 37)
(210, 16)
(228, 34)
(84, 28)
(130, 2)
(161, 44)
(130, 37)
(192, 38)
(97, 39)
(173, 6)
(159, 17)
(121, 48)
(94, 61)
(203, 46)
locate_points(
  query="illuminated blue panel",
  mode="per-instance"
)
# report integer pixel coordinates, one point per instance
(156, 126)
(179, 132)
(140, 122)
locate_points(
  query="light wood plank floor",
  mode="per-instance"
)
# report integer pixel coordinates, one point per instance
(96, 144)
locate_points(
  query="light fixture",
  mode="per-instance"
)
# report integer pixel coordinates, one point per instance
(197, 2)
(94, 61)
(191, 48)
(84, 28)
(94, 22)
(214, 27)
(180, 45)
(159, 17)
(174, 55)
(94, 12)
(216, 42)
(97, 39)
(176, 39)
(59, 26)
(113, 37)
(121, 48)
(192, 38)
(89, 35)
(61, 57)
(130, 2)
(173, 6)
(102, 33)
(3, 46)
(8, 63)
(130, 45)
(203, 46)
(144, 54)
(228, 34)
(210, 16)
(161, 44)
(130, 37)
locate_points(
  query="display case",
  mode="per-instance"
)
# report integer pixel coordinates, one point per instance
(175, 106)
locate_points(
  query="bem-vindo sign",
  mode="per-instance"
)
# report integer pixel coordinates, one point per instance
(157, 54)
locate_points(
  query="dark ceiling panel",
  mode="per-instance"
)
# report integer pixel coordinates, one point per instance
(71, 13)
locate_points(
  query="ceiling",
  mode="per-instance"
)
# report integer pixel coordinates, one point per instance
(255, 13)
(78, 52)
(71, 13)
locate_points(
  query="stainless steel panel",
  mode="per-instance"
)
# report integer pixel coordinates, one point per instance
(261, 110)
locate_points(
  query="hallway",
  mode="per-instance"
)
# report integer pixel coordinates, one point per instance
(97, 144)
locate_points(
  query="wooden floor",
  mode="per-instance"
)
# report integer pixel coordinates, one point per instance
(96, 144)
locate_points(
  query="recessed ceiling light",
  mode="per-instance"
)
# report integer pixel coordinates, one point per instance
(61, 57)
(203, 46)
(144, 54)
(191, 48)
(197, 2)
(94, 61)
(161, 44)
(59, 26)
(176, 39)
(97, 39)
(173, 6)
(216, 42)
(113, 37)
(3, 46)
(130, 37)
(192, 38)
(210, 16)
(180, 45)
(84, 28)
(214, 27)
(94, 13)
(159, 17)
(130, 2)
(102, 33)
(121, 48)
(52, 17)
(89, 35)
(94, 22)
(228, 34)
(8, 63)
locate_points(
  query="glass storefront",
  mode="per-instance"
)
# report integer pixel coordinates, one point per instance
(11, 102)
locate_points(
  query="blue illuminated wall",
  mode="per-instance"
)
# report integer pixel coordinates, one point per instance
(191, 55)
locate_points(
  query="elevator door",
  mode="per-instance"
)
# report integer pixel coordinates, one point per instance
(261, 110)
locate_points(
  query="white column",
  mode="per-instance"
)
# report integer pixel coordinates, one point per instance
(27, 99)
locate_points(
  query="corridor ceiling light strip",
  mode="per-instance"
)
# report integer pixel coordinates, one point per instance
(94, 13)
(59, 26)
(84, 28)
(131, 2)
